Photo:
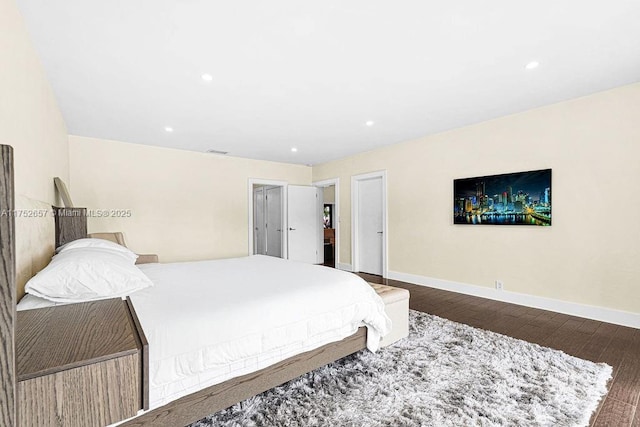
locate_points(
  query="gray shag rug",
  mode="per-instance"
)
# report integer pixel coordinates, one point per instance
(443, 374)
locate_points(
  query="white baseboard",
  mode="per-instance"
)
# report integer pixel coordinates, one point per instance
(602, 314)
(346, 267)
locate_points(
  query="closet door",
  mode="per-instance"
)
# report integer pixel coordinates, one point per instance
(259, 235)
(274, 223)
(370, 226)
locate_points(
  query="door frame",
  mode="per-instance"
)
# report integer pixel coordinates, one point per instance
(355, 185)
(285, 222)
(336, 214)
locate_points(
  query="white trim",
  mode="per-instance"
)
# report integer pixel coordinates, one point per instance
(355, 180)
(602, 314)
(336, 213)
(345, 267)
(285, 219)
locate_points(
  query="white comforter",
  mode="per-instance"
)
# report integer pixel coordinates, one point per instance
(210, 321)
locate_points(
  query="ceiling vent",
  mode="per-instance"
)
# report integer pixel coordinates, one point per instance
(211, 151)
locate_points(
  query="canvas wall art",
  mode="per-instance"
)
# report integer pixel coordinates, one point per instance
(521, 198)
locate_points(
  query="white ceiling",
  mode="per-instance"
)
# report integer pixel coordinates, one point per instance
(310, 74)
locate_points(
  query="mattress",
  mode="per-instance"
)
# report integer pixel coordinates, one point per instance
(209, 321)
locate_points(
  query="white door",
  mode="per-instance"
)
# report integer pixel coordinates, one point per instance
(273, 202)
(259, 237)
(370, 228)
(305, 224)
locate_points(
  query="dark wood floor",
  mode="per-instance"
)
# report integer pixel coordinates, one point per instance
(618, 346)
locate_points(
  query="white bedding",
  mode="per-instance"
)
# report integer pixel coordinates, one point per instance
(210, 321)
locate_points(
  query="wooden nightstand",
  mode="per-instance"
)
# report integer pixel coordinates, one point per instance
(79, 364)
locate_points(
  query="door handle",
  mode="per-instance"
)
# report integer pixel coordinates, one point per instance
(278, 230)
(379, 232)
(292, 229)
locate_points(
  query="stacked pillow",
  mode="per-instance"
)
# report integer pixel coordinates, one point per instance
(87, 270)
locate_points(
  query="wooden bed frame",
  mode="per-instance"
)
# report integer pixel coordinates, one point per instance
(180, 412)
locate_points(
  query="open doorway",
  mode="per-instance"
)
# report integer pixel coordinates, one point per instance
(331, 221)
(267, 218)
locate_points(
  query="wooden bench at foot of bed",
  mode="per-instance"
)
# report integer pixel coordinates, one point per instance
(396, 305)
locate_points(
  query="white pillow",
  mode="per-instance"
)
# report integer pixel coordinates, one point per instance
(30, 302)
(89, 242)
(87, 274)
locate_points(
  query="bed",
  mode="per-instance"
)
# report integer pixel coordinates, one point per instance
(192, 372)
(257, 310)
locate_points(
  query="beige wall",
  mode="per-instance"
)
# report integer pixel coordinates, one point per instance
(329, 194)
(184, 205)
(30, 120)
(591, 253)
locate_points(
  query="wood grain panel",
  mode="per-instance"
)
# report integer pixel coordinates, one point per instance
(7, 289)
(198, 405)
(70, 224)
(92, 395)
(626, 387)
(595, 413)
(614, 353)
(143, 344)
(600, 339)
(614, 413)
(52, 339)
(570, 337)
(636, 419)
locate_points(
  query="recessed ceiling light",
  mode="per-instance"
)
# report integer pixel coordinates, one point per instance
(168, 129)
(370, 123)
(531, 65)
(294, 149)
(207, 77)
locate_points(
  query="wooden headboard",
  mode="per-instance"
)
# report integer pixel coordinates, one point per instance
(7, 290)
(34, 234)
(71, 224)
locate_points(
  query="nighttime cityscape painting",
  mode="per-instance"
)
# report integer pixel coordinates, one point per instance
(522, 198)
